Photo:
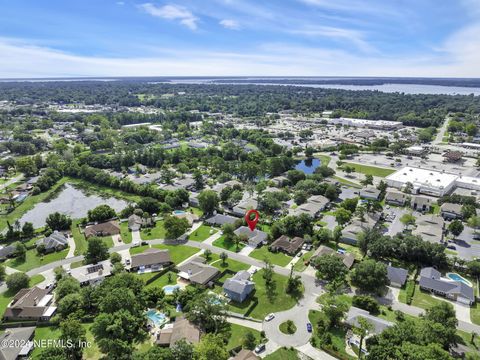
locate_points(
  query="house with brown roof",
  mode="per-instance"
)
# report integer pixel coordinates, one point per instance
(33, 304)
(103, 229)
(151, 259)
(347, 258)
(287, 245)
(180, 329)
(196, 271)
(246, 354)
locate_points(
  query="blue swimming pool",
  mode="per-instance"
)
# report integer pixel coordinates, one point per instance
(456, 277)
(169, 289)
(156, 317)
(178, 212)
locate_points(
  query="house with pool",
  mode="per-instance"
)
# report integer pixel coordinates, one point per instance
(453, 287)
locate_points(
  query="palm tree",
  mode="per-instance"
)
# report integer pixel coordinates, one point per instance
(224, 257)
(362, 329)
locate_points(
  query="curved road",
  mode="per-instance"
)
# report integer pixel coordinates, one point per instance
(299, 312)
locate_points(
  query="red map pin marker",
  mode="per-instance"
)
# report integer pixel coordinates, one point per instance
(252, 222)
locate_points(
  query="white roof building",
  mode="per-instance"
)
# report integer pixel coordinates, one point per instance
(424, 181)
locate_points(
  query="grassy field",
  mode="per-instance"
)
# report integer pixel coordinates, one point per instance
(475, 313)
(202, 233)
(421, 299)
(238, 334)
(125, 233)
(227, 245)
(157, 232)
(178, 253)
(161, 281)
(33, 260)
(7, 296)
(278, 301)
(80, 241)
(347, 182)
(283, 354)
(324, 159)
(300, 264)
(370, 170)
(278, 258)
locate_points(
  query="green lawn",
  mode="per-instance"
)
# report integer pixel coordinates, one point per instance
(161, 281)
(275, 258)
(202, 233)
(346, 182)
(125, 233)
(279, 300)
(230, 264)
(196, 211)
(33, 260)
(324, 159)
(238, 334)
(157, 232)
(421, 299)
(475, 313)
(178, 253)
(300, 264)
(44, 333)
(7, 296)
(221, 242)
(283, 354)
(80, 241)
(370, 170)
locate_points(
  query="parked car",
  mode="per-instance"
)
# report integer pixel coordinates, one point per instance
(452, 247)
(309, 327)
(128, 262)
(259, 348)
(269, 317)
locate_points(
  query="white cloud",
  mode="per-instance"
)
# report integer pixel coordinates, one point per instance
(230, 24)
(355, 37)
(276, 59)
(172, 12)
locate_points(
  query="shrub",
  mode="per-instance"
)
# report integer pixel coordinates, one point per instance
(366, 302)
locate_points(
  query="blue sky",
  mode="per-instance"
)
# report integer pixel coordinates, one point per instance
(240, 37)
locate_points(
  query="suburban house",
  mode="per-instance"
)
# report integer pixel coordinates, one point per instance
(430, 228)
(7, 251)
(93, 273)
(287, 245)
(397, 276)
(351, 231)
(279, 181)
(55, 242)
(220, 220)
(246, 354)
(347, 258)
(136, 222)
(220, 186)
(103, 229)
(33, 304)
(150, 260)
(187, 183)
(243, 206)
(378, 324)
(450, 211)
(238, 287)
(254, 238)
(196, 271)
(422, 203)
(181, 329)
(394, 197)
(191, 217)
(193, 199)
(21, 340)
(431, 280)
(314, 205)
(370, 193)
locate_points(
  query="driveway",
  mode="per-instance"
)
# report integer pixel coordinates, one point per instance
(136, 239)
(71, 247)
(246, 250)
(462, 311)
(117, 240)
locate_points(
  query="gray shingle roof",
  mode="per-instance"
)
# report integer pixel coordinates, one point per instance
(221, 219)
(378, 324)
(397, 275)
(448, 287)
(56, 239)
(430, 272)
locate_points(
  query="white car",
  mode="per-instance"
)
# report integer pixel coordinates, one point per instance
(269, 317)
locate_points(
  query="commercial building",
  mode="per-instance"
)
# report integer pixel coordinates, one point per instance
(372, 124)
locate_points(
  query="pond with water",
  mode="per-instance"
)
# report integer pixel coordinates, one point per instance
(71, 201)
(308, 166)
